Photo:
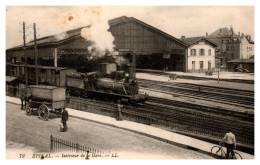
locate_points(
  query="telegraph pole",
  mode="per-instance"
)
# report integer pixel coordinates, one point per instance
(25, 55)
(134, 63)
(218, 71)
(36, 54)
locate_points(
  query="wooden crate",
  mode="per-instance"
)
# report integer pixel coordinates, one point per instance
(48, 92)
(107, 68)
(75, 82)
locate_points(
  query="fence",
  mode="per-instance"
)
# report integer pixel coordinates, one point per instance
(12, 91)
(60, 145)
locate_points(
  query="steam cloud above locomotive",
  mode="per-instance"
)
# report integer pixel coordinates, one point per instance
(102, 39)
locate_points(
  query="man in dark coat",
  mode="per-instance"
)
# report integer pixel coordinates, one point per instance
(119, 110)
(25, 96)
(64, 118)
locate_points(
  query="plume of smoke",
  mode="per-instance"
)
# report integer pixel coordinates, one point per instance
(101, 37)
(61, 36)
(120, 60)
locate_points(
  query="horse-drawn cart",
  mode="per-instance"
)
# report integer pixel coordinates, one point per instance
(46, 99)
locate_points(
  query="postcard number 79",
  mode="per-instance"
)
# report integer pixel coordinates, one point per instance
(21, 155)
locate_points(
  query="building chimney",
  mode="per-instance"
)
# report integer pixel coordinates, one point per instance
(239, 34)
(207, 34)
(182, 38)
(232, 31)
(249, 37)
(242, 34)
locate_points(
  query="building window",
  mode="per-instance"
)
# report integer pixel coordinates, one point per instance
(232, 55)
(193, 52)
(209, 52)
(202, 52)
(209, 65)
(232, 47)
(193, 65)
(201, 64)
(227, 48)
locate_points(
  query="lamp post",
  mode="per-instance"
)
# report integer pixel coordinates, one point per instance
(219, 67)
(218, 71)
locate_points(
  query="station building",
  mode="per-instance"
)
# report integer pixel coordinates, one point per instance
(51, 51)
(240, 48)
(222, 36)
(154, 48)
(240, 54)
(201, 54)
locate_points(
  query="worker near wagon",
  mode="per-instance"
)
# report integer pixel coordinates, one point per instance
(64, 119)
(119, 110)
(25, 95)
(230, 142)
(67, 97)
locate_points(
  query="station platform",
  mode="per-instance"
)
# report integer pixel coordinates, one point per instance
(207, 80)
(156, 133)
(222, 75)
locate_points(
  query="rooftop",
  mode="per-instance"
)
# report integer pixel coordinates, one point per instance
(122, 19)
(54, 39)
(223, 32)
(192, 40)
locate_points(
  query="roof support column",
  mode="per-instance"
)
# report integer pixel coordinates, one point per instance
(55, 54)
(186, 60)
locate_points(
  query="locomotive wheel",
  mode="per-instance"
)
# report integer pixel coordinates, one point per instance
(43, 112)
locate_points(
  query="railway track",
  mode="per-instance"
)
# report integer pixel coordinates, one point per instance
(237, 115)
(228, 96)
(168, 115)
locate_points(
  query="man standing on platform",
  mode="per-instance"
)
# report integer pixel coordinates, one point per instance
(119, 110)
(64, 118)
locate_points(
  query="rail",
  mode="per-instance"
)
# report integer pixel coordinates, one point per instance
(221, 95)
(174, 119)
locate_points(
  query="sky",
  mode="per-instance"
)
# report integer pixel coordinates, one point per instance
(175, 20)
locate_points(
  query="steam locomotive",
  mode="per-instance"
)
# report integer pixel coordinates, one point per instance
(105, 84)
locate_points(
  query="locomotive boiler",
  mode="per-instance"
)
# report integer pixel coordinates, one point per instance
(94, 85)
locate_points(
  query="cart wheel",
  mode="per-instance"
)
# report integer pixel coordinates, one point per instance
(28, 110)
(43, 112)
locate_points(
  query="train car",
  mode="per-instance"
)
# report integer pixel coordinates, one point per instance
(79, 83)
(48, 75)
(92, 85)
